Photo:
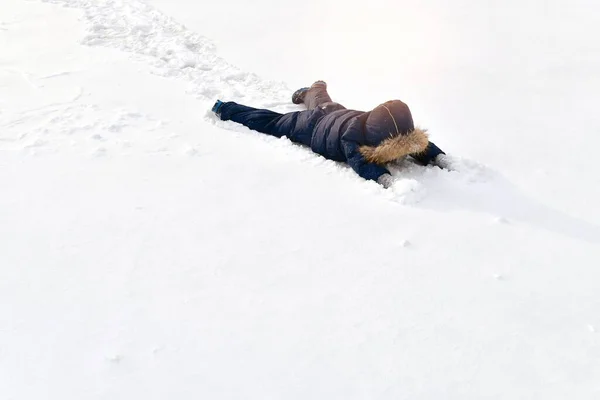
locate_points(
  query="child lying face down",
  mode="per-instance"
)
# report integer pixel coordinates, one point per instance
(365, 140)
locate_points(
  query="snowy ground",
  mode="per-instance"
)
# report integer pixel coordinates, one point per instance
(150, 251)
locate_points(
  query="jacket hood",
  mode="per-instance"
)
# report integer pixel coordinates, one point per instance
(390, 133)
(396, 147)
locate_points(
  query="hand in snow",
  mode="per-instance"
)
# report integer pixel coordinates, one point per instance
(443, 161)
(385, 180)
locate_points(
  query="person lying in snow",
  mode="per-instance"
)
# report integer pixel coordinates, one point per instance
(365, 140)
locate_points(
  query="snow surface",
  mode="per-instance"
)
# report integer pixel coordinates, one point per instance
(148, 250)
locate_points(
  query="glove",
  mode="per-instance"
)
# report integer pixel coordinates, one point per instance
(443, 161)
(385, 180)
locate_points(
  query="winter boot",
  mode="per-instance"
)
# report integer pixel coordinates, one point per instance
(217, 107)
(298, 96)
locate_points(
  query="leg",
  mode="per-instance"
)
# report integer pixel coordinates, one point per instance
(264, 121)
(297, 126)
(316, 96)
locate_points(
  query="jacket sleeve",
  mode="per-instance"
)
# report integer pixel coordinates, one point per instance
(355, 159)
(427, 156)
(351, 141)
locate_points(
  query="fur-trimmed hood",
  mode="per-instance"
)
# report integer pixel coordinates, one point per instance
(396, 147)
(390, 134)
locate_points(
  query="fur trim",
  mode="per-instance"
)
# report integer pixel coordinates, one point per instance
(391, 149)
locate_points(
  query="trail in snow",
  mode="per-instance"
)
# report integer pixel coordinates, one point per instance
(173, 50)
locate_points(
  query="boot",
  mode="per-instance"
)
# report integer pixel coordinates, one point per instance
(298, 96)
(217, 107)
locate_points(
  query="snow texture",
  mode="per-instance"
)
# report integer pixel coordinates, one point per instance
(149, 250)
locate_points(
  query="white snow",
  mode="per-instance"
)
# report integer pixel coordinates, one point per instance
(148, 250)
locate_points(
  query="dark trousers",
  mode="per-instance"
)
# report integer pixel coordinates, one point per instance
(273, 123)
(261, 120)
